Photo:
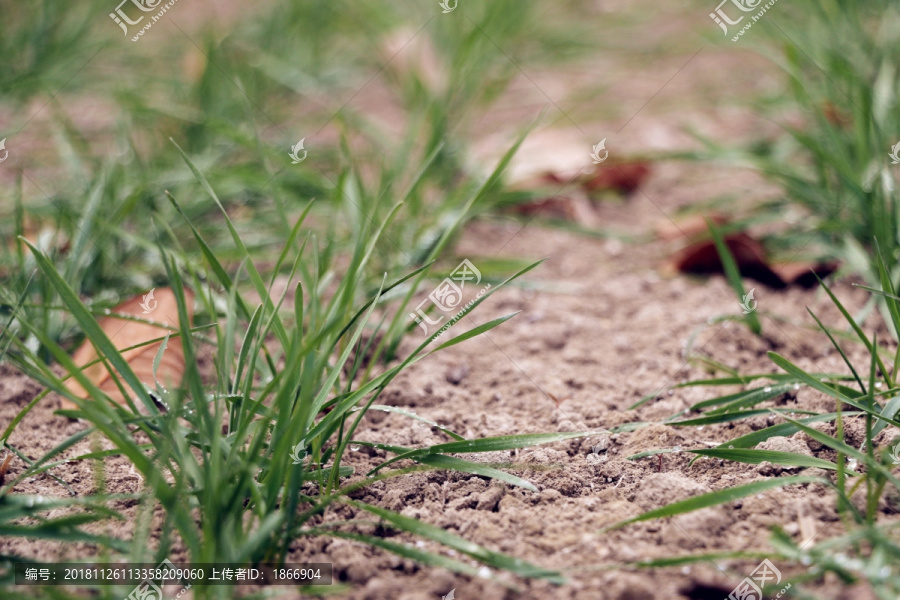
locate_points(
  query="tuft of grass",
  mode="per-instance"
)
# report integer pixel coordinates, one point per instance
(243, 465)
(863, 479)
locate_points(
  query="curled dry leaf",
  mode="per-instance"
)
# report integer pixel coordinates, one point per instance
(623, 177)
(159, 312)
(4, 467)
(702, 257)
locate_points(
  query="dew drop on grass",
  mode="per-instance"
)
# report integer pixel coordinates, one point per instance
(106, 311)
(677, 449)
(731, 447)
(767, 389)
(805, 560)
(354, 448)
(796, 386)
(420, 544)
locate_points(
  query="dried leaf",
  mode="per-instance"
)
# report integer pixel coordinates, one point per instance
(160, 312)
(692, 226)
(801, 273)
(701, 257)
(621, 177)
(5, 466)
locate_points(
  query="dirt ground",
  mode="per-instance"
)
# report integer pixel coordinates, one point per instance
(599, 328)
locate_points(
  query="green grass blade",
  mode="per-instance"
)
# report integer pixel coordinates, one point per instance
(716, 498)
(442, 536)
(733, 274)
(491, 444)
(755, 457)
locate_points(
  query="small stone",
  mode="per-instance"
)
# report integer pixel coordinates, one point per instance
(456, 373)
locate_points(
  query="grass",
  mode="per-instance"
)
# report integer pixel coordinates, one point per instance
(242, 478)
(860, 478)
(191, 188)
(835, 169)
(833, 163)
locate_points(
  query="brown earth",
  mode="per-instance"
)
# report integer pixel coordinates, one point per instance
(599, 329)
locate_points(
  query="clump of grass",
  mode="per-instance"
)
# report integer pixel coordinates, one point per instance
(243, 466)
(843, 78)
(861, 478)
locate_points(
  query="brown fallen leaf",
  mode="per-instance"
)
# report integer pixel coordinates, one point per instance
(624, 177)
(575, 209)
(5, 466)
(691, 226)
(801, 272)
(160, 311)
(702, 257)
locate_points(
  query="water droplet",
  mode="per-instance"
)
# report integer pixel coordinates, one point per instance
(670, 392)
(806, 560)
(767, 389)
(700, 428)
(354, 448)
(677, 448)
(106, 311)
(796, 386)
(731, 446)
